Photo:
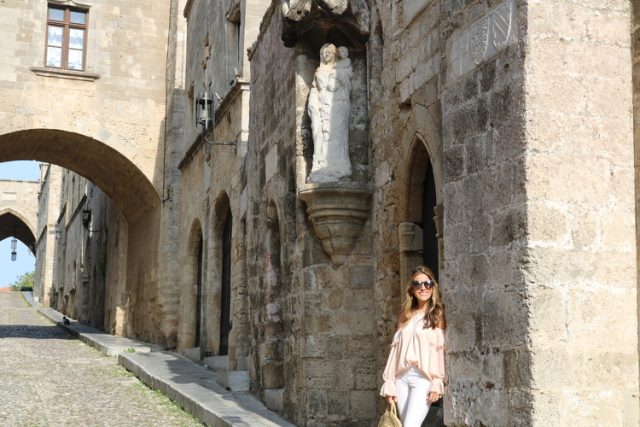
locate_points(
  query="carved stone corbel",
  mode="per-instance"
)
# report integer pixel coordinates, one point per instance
(338, 212)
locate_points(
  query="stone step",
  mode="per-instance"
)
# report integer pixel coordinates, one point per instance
(233, 380)
(236, 380)
(273, 398)
(192, 353)
(217, 363)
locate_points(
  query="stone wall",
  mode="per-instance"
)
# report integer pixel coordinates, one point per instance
(105, 123)
(79, 249)
(495, 149)
(212, 183)
(48, 212)
(485, 213)
(581, 245)
(117, 100)
(328, 371)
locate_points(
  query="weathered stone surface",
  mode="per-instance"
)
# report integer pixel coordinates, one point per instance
(498, 132)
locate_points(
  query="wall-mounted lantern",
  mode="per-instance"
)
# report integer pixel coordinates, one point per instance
(14, 246)
(204, 113)
(86, 217)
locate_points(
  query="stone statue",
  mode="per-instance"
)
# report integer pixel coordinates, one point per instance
(329, 108)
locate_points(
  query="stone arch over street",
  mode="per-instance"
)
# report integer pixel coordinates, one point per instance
(13, 224)
(131, 278)
(19, 211)
(111, 170)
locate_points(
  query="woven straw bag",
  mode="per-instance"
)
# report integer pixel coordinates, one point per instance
(390, 418)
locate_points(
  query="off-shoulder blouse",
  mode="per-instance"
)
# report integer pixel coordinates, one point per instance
(415, 345)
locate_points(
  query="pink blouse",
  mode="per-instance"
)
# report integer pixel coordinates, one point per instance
(415, 345)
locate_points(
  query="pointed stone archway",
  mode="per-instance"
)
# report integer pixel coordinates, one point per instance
(18, 211)
(12, 224)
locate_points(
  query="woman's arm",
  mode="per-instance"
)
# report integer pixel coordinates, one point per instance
(436, 363)
(389, 375)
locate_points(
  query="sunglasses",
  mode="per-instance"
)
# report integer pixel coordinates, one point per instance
(428, 284)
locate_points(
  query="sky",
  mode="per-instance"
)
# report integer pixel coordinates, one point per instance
(25, 262)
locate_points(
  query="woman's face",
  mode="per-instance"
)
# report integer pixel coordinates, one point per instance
(328, 53)
(421, 293)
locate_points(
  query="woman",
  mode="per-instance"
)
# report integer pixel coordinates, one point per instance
(415, 369)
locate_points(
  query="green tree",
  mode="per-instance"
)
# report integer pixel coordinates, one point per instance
(24, 282)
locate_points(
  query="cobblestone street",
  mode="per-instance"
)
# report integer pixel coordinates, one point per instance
(48, 378)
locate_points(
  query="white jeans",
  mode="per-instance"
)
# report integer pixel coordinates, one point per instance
(412, 389)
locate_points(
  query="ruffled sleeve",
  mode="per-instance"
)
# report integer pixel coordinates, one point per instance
(436, 361)
(389, 374)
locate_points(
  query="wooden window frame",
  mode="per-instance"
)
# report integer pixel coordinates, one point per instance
(66, 26)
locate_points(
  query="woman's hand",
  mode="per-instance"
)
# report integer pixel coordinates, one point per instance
(433, 397)
(390, 399)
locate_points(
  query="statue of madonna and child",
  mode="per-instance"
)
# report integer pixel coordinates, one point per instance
(329, 109)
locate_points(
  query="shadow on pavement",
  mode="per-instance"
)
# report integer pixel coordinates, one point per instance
(33, 331)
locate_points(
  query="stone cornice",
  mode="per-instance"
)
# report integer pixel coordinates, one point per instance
(227, 100)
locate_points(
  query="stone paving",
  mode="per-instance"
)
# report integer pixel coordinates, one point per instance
(48, 378)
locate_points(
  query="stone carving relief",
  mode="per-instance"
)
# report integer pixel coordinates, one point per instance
(329, 108)
(482, 39)
(315, 18)
(298, 9)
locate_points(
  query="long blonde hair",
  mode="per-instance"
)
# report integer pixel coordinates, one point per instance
(434, 316)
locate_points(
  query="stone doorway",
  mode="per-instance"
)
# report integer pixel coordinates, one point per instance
(225, 289)
(198, 326)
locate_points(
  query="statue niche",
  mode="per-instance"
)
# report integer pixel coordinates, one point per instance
(331, 117)
(329, 108)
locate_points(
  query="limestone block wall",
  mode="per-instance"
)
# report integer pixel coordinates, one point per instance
(193, 214)
(271, 186)
(175, 125)
(85, 251)
(485, 213)
(212, 184)
(581, 212)
(118, 99)
(106, 123)
(328, 372)
(48, 211)
(406, 125)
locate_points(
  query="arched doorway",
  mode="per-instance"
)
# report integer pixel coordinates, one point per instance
(430, 250)
(192, 294)
(225, 286)
(419, 232)
(198, 286)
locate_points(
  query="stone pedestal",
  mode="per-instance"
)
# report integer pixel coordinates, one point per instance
(338, 211)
